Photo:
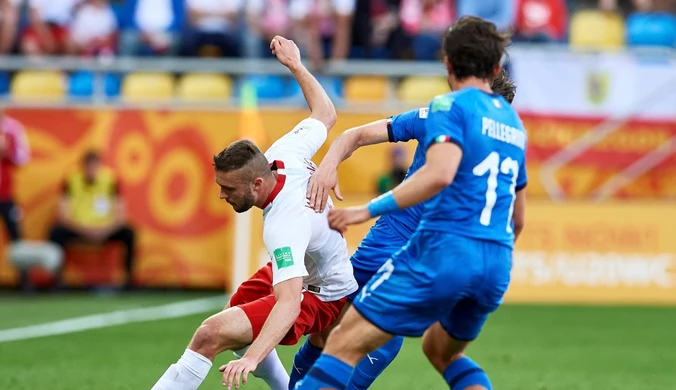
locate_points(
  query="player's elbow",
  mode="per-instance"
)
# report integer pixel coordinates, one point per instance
(443, 177)
(326, 114)
(291, 304)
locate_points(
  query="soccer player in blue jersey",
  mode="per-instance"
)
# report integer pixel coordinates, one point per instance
(455, 269)
(388, 235)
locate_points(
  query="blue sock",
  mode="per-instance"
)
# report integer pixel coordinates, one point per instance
(327, 373)
(374, 364)
(464, 373)
(306, 356)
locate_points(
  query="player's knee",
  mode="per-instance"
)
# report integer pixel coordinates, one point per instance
(339, 339)
(441, 354)
(439, 359)
(318, 339)
(221, 332)
(207, 340)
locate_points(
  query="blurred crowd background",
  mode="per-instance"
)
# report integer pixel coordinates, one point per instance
(111, 110)
(335, 29)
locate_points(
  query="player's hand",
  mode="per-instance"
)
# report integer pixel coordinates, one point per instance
(321, 182)
(286, 51)
(236, 370)
(340, 219)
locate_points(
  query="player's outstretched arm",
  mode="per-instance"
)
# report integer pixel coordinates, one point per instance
(437, 173)
(444, 140)
(320, 105)
(326, 176)
(281, 318)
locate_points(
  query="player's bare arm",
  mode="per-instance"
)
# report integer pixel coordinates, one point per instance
(320, 105)
(437, 173)
(280, 320)
(519, 215)
(326, 176)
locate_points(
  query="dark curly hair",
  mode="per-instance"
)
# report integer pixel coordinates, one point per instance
(473, 48)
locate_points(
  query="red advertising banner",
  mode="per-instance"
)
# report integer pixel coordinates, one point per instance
(185, 233)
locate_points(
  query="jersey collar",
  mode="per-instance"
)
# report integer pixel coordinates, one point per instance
(276, 165)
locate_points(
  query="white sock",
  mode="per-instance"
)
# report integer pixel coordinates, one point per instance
(187, 374)
(271, 370)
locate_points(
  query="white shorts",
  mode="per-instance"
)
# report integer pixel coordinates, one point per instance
(299, 9)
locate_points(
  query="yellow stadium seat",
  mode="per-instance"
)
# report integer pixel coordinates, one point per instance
(597, 30)
(421, 89)
(39, 85)
(144, 87)
(366, 88)
(204, 87)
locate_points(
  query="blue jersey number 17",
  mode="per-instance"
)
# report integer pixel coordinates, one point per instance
(493, 167)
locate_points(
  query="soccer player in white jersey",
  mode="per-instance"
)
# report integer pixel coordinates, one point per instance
(304, 288)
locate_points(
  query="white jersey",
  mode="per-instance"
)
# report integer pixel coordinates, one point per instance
(298, 239)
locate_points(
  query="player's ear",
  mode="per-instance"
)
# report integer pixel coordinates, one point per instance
(257, 183)
(448, 65)
(496, 72)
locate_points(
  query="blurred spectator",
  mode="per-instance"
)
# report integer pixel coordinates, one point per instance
(652, 24)
(94, 28)
(265, 19)
(48, 32)
(14, 152)
(397, 172)
(9, 24)
(92, 211)
(320, 19)
(426, 21)
(500, 12)
(213, 28)
(639, 5)
(152, 27)
(541, 20)
(377, 32)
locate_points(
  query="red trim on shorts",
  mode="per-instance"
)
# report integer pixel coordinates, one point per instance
(281, 179)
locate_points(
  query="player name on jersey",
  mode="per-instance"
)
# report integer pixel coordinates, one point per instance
(503, 132)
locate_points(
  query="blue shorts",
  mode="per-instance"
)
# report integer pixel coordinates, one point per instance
(438, 276)
(376, 248)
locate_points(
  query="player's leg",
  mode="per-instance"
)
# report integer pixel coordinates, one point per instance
(365, 372)
(444, 343)
(308, 354)
(348, 343)
(386, 306)
(247, 311)
(271, 370)
(229, 329)
(447, 356)
(376, 248)
(375, 362)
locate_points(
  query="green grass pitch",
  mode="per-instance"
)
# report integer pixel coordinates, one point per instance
(522, 347)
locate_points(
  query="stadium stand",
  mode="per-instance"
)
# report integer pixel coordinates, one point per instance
(204, 87)
(651, 29)
(366, 88)
(41, 85)
(597, 30)
(146, 86)
(421, 89)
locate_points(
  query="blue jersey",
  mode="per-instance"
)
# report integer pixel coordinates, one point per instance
(404, 127)
(480, 201)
